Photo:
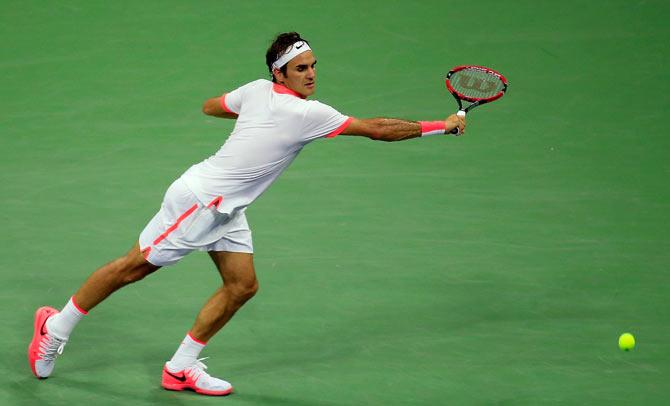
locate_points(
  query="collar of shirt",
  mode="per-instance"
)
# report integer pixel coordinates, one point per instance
(285, 90)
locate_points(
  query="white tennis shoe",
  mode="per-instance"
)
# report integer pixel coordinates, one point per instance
(195, 378)
(44, 347)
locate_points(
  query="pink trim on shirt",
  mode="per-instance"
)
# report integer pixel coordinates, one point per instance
(341, 128)
(224, 106)
(285, 90)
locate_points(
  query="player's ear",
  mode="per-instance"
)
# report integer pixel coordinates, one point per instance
(279, 76)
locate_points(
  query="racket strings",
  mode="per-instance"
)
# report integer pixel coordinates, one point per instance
(476, 83)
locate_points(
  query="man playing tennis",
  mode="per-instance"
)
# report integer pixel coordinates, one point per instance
(205, 208)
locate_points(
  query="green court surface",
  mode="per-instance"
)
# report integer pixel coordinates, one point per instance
(498, 268)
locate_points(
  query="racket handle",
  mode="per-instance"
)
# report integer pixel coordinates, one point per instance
(455, 131)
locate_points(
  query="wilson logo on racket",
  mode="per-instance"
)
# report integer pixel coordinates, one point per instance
(480, 85)
(475, 84)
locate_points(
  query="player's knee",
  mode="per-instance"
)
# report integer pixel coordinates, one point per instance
(244, 290)
(129, 271)
(249, 289)
(127, 276)
(253, 289)
(133, 276)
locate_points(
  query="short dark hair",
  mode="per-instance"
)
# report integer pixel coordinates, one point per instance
(281, 44)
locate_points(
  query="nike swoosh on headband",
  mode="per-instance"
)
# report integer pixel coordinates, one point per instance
(293, 51)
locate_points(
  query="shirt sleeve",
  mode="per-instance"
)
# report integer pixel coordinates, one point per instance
(232, 101)
(322, 120)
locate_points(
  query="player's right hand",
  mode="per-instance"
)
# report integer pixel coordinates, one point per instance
(454, 121)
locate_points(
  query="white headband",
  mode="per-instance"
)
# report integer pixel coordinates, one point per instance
(295, 50)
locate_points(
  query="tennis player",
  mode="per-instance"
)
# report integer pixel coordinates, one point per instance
(204, 209)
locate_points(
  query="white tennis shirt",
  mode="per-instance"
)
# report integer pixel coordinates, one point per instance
(273, 126)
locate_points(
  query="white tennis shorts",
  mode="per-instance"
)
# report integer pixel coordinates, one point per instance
(184, 224)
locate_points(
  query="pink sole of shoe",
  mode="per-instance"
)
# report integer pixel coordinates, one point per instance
(179, 387)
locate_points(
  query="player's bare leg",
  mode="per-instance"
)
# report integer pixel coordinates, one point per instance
(51, 329)
(184, 370)
(239, 285)
(106, 280)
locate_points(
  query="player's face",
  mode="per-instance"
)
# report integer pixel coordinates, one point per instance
(300, 74)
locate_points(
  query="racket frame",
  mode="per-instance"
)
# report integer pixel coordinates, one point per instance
(476, 101)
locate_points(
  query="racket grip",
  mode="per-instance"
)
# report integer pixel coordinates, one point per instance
(455, 131)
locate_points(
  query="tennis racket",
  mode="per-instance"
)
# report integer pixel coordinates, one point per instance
(475, 84)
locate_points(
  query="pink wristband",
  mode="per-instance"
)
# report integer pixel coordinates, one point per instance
(432, 127)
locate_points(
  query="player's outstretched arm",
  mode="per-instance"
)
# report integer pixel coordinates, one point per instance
(212, 107)
(393, 129)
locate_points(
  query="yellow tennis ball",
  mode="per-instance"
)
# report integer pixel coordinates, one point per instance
(626, 341)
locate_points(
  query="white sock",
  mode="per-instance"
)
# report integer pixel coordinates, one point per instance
(62, 324)
(186, 354)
